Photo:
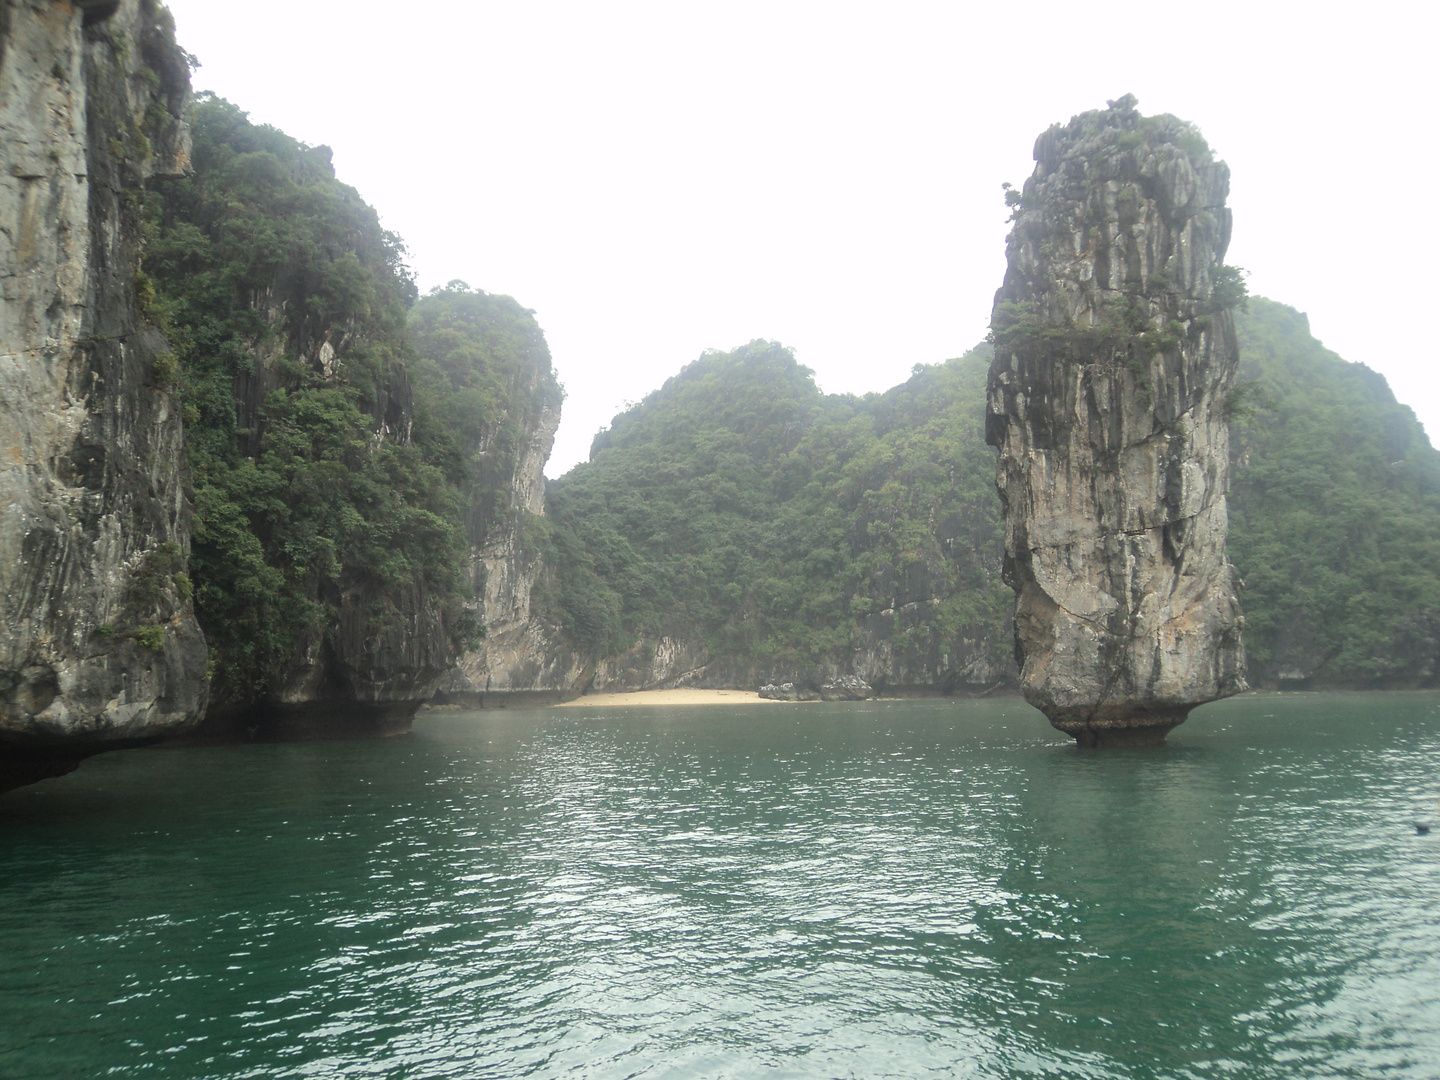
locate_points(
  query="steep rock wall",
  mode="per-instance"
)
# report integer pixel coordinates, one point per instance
(99, 646)
(521, 656)
(379, 650)
(502, 572)
(491, 371)
(1114, 352)
(328, 539)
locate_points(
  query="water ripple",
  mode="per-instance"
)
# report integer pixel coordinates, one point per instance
(882, 889)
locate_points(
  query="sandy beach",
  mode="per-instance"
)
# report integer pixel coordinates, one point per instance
(669, 697)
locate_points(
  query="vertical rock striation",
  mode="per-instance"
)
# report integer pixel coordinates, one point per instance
(480, 339)
(520, 657)
(99, 646)
(1114, 354)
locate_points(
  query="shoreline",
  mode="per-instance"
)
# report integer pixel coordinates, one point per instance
(686, 696)
(682, 696)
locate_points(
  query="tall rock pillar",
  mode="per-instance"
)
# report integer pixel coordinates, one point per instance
(1115, 350)
(99, 646)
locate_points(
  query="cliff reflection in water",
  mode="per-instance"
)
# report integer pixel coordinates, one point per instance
(888, 888)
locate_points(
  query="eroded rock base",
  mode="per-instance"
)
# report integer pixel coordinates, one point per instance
(1137, 729)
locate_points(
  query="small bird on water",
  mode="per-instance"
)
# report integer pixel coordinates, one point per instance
(1423, 827)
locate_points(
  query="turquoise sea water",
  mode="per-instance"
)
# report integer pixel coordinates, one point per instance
(903, 889)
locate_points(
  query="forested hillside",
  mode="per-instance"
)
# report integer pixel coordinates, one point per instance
(335, 465)
(779, 531)
(1335, 516)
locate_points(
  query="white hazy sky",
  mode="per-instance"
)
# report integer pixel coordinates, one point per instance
(658, 179)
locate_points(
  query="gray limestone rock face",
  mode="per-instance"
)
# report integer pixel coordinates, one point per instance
(1115, 350)
(99, 646)
(521, 657)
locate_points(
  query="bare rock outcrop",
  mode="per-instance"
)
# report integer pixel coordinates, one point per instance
(99, 646)
(846, 688)
(1115, 350)
(521, 658)
(503, 571)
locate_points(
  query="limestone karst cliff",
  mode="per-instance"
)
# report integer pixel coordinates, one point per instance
(1115, 351)
(500, 398)
(99, 645)
(328, 542)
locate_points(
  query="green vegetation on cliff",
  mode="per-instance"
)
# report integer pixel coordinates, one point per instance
(482, 372)
(329, 458)
(1334, 515)
(740, 509)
